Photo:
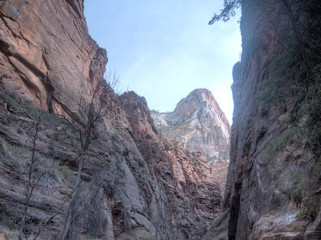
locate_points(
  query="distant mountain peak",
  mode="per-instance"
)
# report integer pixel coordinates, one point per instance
(198, 124)
(200, 98)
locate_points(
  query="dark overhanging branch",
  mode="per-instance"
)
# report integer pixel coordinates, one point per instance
(227, 12)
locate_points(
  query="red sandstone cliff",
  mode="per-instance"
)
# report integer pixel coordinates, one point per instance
(47, 55)
(134, 186)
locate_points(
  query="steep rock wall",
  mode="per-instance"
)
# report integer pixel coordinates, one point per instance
(35, 37)
(133, 185)
(193, 194)
(274, 173)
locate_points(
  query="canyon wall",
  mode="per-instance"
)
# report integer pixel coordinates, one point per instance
(273, 185)
(192, 193)
(134, 184)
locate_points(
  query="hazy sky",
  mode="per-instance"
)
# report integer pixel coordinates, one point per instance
(164, 49)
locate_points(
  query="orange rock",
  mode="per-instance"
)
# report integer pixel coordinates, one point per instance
(3, 237)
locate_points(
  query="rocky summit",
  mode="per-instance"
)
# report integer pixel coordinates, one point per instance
(198, 124)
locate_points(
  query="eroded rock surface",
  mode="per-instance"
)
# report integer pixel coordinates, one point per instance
(35, 37)
(192, 192)
(274, 172)
(198, 124)
(134, 185)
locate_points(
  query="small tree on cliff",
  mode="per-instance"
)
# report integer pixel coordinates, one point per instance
(32, 177)
(227, 12)
(32, 170)
(93, 114)
(113, 80)
(293, 9)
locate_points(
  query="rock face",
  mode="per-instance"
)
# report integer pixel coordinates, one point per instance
(31, 51)
(198, 124)
(134, 184)
(273, 182)
(192, 193)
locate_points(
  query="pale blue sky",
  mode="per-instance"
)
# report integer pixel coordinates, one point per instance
(165, 49)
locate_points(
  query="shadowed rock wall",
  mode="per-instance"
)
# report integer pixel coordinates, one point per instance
(274, 173)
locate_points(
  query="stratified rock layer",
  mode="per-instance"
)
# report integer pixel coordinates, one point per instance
(198, 124)
(134, 185)
(35, 38)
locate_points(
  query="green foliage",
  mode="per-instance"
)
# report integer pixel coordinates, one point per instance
(269, 222)
(11, 118)
(307, 215)
(118, 132)
(68, 174)
(301, 186)
(16, 153)
(247, 123)
(297, 194)
(227, 12)
(276, 145)
(19, 157)
(10, 98)
(300, 214)
(308, 107)
(51, 146)
(8, 227)
(148, 211)
(23, 107)
(88, 237)
(19, 130)
(9, 233)
(313, 107)
(281, 78)
(229, 9)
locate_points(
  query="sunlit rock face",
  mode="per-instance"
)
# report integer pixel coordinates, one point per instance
(198, 124)
(47, 55)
